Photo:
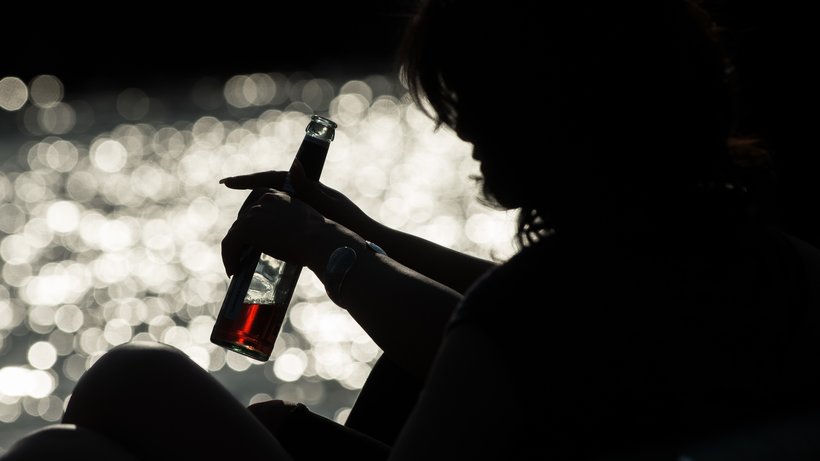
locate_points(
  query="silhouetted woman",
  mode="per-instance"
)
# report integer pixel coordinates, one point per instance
(653, 304)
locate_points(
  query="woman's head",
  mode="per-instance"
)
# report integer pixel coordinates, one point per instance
(569, 101)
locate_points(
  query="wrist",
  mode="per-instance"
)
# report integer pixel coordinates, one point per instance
(341, 262)
(325, 239)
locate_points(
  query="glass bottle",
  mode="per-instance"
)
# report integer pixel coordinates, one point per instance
(259, 294)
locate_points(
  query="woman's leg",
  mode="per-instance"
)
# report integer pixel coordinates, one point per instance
(66, 442)
(158, 404)
(385, 401)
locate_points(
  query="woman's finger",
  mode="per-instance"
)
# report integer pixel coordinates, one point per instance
(233, 248)
(253, 197)
(273, 178)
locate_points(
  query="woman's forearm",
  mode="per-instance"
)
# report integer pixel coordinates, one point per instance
(403, 311)
(452, 268)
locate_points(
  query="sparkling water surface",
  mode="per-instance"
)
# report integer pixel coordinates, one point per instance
(111, 218)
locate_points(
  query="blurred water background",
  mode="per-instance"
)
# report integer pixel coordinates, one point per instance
(111, 218)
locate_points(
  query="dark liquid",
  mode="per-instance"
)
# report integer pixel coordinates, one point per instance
(252, 332)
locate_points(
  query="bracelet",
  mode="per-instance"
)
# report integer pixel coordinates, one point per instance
(339, 264)
(375, 247)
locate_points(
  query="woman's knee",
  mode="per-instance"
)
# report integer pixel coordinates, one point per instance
(129, 375)
(142, 357)
(137, 367)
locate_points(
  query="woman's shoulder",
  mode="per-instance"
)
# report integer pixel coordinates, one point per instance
(529, 263)
(534, 274)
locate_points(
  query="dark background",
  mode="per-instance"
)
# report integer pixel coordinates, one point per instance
(773, 45)
(146, 44)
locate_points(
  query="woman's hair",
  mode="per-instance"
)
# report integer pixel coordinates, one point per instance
(635, 97)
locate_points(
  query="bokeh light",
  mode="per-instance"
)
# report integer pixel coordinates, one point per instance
(13, 93)
(46, 91)
(114, 235)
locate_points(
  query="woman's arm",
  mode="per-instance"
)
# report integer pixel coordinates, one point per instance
(465, 409)
(452, 268)
(403, 311)
(449, 267)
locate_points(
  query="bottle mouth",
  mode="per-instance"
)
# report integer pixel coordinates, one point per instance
(321, 128)
(324, 121)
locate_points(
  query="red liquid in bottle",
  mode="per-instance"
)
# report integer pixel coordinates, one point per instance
(253, 331)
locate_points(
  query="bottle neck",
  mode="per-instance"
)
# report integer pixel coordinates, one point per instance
(312, 153)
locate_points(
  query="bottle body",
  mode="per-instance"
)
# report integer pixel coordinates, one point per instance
(259, 294)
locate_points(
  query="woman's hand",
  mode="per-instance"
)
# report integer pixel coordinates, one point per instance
(327, 201)
(276, 224)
